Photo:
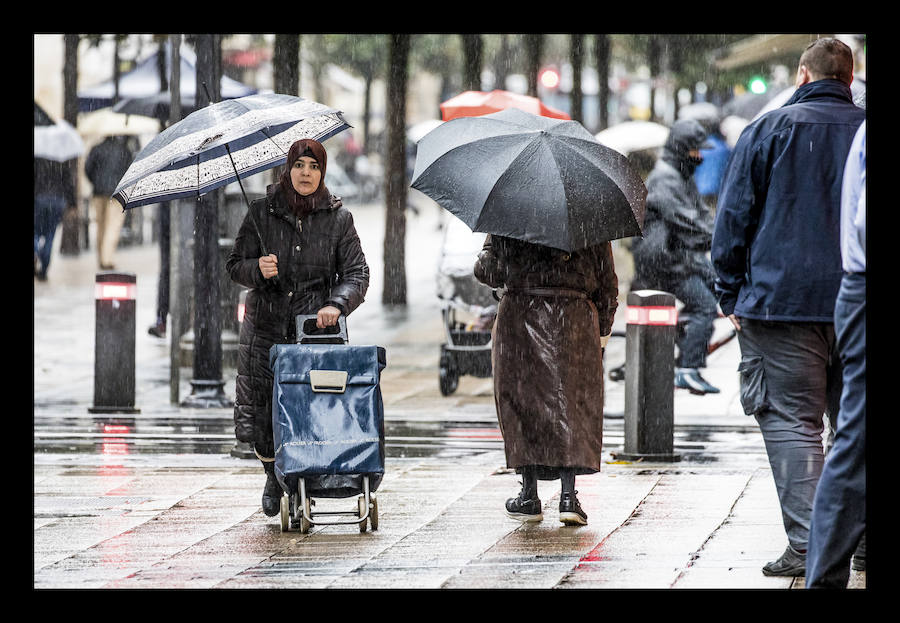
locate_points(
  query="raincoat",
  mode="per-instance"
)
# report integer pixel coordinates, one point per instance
(546, 353)
(780, 200)
(320, 261)
(678, 226)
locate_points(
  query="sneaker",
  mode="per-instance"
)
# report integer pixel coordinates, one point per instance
(158, 330)
(791, 564)
(570, 511)
(271, 497)
(524, 510)
(690, 379)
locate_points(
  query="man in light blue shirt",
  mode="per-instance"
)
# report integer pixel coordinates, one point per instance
(839, 511)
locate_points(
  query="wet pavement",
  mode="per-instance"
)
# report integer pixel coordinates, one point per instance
(155, 499)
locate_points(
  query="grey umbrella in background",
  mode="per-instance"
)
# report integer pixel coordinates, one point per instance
(222, 143)
(156, 106)
(537, 179)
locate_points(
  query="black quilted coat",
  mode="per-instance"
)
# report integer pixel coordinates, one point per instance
(320, 261)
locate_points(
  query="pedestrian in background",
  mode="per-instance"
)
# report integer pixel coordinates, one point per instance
(672, 253)
(314, 266)
(54, 192)
(106, 163)
(549, 332)
(839, 511)
(777, 253)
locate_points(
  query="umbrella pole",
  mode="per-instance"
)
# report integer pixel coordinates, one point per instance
(262, 244)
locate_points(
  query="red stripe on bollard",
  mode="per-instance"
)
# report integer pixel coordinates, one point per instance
(652, 315)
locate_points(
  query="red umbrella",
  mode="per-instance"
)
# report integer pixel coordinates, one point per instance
(477, 103)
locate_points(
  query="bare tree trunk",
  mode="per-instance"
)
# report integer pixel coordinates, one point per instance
(501, 63)
(473, 48)
(287, 64)
(71, 221)
(534, 44)
(654, 54)
(367, 112)
(577, 60)
(602, 53)
(207, 385)
(394, 292)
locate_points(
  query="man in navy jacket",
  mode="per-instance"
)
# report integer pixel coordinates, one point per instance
(777, 254)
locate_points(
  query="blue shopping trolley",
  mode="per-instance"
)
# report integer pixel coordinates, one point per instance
(328, 425)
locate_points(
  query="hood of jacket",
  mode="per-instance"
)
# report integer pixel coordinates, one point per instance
(686, 135)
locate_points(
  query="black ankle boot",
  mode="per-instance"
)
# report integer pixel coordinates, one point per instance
(271, 497)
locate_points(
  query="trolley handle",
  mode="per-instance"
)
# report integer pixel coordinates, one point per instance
(309, 333)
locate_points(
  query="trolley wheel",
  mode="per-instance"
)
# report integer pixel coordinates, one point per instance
(373, 513)
(285, 513)
(305, 525)
(448, 373)
(361, 505)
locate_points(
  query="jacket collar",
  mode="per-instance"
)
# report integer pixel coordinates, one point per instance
(827, 87)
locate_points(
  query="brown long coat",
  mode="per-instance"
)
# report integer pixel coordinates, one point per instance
(547, 356)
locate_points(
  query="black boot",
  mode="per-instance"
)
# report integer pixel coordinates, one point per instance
(526, 506)
(271, 497)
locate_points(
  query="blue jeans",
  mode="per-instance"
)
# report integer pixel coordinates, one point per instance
(839, 510)
(48, 211)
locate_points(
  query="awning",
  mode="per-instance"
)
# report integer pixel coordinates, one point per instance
(764, 47)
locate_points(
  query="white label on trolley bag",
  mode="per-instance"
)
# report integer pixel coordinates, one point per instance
(328, 381)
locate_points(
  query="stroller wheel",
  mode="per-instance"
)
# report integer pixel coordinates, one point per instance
(448, 379)
(448, 374)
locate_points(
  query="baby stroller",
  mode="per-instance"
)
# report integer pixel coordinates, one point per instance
(468, 308)
(328, 424)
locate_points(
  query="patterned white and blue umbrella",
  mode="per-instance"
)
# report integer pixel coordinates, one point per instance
(222, 143)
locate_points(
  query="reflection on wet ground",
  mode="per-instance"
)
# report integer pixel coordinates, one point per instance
(214, 434)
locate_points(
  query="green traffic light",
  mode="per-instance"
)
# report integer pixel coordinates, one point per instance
(757, 85)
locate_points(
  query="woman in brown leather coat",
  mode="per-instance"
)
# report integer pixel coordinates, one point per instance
(555, 310)
(314, 266)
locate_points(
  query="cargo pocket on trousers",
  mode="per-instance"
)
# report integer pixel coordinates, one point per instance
(754, 396)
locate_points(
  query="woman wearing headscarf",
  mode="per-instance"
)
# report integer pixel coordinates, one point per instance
(314, 265)
(547, 361)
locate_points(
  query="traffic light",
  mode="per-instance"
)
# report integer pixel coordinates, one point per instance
(757, 85)
(549, 78)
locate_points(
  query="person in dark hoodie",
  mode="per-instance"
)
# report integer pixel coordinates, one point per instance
(672, 254)
(314, 265)
(777, 254)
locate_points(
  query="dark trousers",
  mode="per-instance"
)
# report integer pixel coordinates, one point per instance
(839, 511)
(700, 311)
(790, 377)
(48, 211)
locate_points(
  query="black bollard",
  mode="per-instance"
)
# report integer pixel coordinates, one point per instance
(649, 377)
(114, 343)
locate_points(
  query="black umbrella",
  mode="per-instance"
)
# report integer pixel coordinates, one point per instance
(537, 179)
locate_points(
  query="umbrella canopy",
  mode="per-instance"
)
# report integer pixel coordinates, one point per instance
(476, 103)
(108, 123)
(58, 142)
(541, 180)
(41, 117)
(222, 143)
(632, 136)
(156, 106)
(417, 131)
(143, 81)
